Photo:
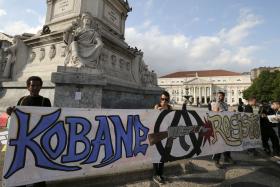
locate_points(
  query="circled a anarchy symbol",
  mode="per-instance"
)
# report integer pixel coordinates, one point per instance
(165, 151)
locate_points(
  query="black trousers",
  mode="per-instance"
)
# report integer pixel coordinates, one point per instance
(278, 130)
(269, 133)
(158, 169)
(217, 157)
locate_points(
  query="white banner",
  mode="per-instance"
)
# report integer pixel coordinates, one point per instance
(47, 144)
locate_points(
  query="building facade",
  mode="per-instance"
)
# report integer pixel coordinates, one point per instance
(257, 71)
(203, 86)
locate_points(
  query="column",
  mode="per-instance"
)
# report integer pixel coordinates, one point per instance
(205, 95)
(194, 95)
(199, 94)
(210, 92)
(229, 95)
(236, 95)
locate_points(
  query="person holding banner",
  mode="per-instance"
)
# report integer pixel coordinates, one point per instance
(221, 106)
(158, 167)
(249, 109)
(34, 85)
(276, 107)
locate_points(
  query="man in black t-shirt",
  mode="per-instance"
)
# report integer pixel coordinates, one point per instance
(249, 109)
(34, 85)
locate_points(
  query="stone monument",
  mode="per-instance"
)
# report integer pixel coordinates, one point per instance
(83, 59)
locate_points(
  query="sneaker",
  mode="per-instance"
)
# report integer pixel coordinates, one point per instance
(218, 165)
(229, 161)
(157, 179)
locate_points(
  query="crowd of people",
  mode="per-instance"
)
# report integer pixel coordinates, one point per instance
(267, 127)
(34, 85)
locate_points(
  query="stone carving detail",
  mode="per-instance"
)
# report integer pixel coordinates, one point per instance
(121, 61)
(84, 44)
(63, 51)
(147, 77)
(104, 55)
(45, 30)
(127, 66)
(52, 51)
(2, 60)
(32, 56)
(42, 54)
(113, 60)
(11, 58)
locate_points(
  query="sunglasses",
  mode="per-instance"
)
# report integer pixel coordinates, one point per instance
(164, 99)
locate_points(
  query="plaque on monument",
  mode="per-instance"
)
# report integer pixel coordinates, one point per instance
(112, 15)
(62, 7)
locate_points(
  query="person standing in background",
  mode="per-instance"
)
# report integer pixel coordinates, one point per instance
(158, 167)
(221, 106)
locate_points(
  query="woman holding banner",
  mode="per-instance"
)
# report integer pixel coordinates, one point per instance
(158, 167)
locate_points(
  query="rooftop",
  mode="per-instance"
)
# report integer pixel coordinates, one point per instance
(204, 73)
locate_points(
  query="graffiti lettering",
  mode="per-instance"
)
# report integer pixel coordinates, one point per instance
(70, 136)
(234, 128)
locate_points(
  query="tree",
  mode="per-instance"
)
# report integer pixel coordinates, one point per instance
(265, 87)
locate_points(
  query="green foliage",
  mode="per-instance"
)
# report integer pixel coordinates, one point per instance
(265, 87)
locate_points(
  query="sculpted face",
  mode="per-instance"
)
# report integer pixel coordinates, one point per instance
(86, 22)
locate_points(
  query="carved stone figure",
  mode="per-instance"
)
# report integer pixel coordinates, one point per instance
(154, 78)
(121, 63)
(113, 60)
(104, 55)
(84, 43)
(63, 51)
(52, 52)
(11, 58)
(42, 54)
(32, 56)
(127, 66)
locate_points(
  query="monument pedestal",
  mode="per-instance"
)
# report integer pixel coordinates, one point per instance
(100, 69)
(75, 88)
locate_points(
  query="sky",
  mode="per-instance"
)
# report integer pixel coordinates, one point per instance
(182, 35)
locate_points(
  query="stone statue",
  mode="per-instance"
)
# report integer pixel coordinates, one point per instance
(52, 52)
(42, 54)
(154, 79)
(83, 42)
(11, 58)
(32, 56)
(113, 60)
(2, 60)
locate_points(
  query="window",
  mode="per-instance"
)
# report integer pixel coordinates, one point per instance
(232, 100)
(232, 92)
